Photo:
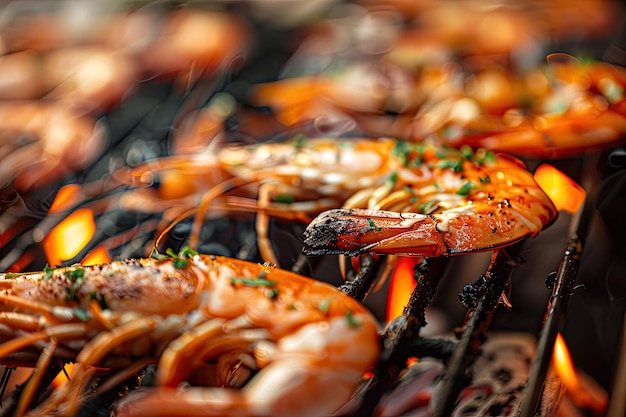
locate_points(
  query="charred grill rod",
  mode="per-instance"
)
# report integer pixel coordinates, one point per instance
(561, 292)
(562, 289)
(490, 288)
(359, 287)
(401, 337)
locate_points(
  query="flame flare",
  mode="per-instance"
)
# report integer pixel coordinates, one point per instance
(584, 392)
(400, 286)
(564, 192)
(73, 233)
(69, 237)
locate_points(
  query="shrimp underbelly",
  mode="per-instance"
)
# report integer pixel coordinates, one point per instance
(247, 339)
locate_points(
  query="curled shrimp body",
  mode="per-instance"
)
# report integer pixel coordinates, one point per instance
(247, 337)
(441, 202)
(293, 180)
(558, 110)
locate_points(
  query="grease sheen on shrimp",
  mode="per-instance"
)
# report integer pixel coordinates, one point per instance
(248, 338)
(443, 201)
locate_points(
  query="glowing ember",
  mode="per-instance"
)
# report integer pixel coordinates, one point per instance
(582, 390)
(400, 287)
(96, 257)
(70, 236)
(562, 190)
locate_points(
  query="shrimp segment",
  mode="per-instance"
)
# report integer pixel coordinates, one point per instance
(216, 322)
(442, 202)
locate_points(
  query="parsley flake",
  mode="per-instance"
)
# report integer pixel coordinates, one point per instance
(82, 315)
(370, 223)
(324, 305)
(252, 282)
(426, 206)
(351, 320)
(284, 198)
(47, 272)
(466, 189)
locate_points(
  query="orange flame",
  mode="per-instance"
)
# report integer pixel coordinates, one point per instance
(74, 232)
(400, 287)
(70, 236)
(584, 392)
(96, 257)
(563, 364)
(66, 196)
(562, 190)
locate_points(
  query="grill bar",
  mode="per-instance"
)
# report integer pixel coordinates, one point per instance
(458, 370)
(401, 337)
(562, 289)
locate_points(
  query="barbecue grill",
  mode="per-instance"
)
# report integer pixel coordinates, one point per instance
(566, 280)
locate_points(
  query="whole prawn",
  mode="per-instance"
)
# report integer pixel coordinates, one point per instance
(561, 109)
(443, 201)
(249, 338)
(295, 180)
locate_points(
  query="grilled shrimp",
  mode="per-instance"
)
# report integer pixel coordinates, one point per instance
(562, 109)
(441, 202)
(44, 141)
(292, 180)
(249, 338)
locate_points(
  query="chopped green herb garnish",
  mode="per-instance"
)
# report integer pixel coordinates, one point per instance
(324, 305)
(392, 179)
(457, 166)
(272, 293)
(401, 151)
(467, 152)
(76, 274)
(47, 271)
(426, 206)
(75, 278)
(187, 252)
(82, 315)
(351, 321)
(10, 275)
(180, 263)
(484, 180)
(284, 198)
(465, 189)
(299, 141)
(100, 299)
(370, 223)
(484, 156)
(179, 259)
(252, 282)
